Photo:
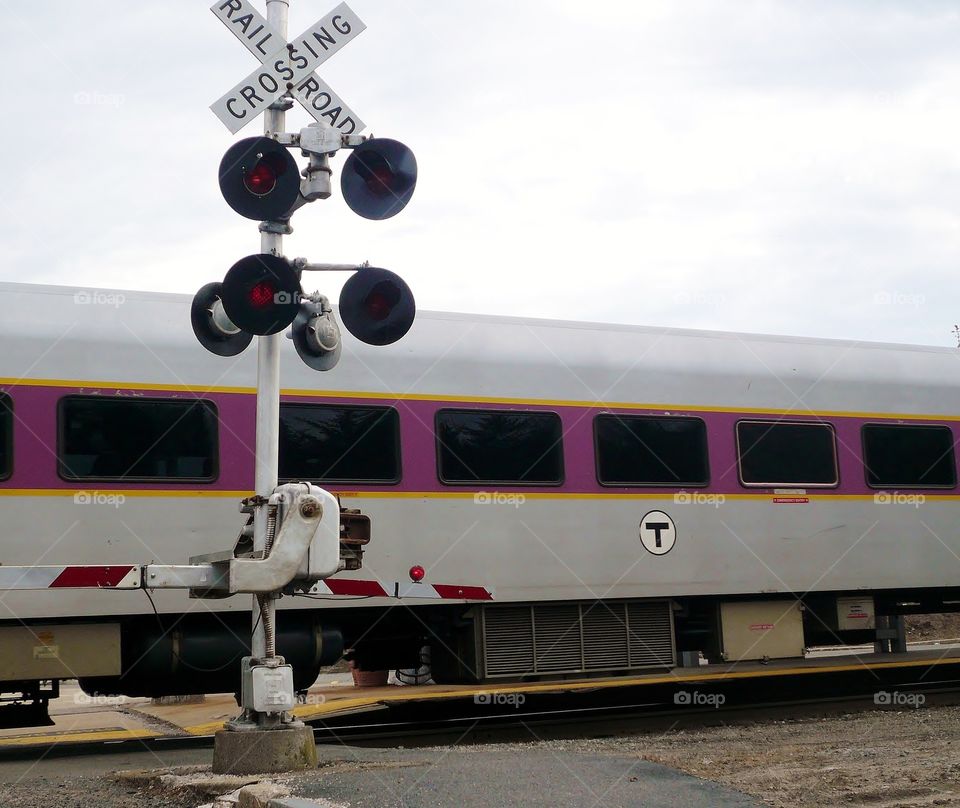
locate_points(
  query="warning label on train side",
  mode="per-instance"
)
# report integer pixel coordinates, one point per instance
(658, 533)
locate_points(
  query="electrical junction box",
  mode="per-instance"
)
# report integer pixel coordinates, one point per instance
(272, 688)
(855, 613)
(761, 629)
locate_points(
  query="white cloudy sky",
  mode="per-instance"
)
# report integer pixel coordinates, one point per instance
(790, 167)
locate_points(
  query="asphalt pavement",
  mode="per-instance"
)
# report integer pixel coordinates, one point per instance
(495, 775)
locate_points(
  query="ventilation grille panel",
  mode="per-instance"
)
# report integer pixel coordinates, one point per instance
(509, 640)
(571, 637)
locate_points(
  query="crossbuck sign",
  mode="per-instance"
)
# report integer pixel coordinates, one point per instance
(286, 66)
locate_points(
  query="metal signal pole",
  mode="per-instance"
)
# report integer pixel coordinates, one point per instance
(263, 642)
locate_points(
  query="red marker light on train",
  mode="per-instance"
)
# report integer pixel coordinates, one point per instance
(416, 573)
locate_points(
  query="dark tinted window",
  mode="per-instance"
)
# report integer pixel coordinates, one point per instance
(909, 455)
(319, 442)
(137, 439)
(6, 436)
(775, 453)
(499, 446)
(639, 450)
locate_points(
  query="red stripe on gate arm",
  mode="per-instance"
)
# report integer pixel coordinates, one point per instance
(91, 576)
(345, 586)
(454, 592)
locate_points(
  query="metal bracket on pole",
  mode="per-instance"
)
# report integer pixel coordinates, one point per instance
(276, 229)
(320, 140)
(304, 265)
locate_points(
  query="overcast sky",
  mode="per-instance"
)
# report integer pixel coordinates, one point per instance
(787, 167)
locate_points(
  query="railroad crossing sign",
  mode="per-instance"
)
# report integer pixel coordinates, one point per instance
(286, 67)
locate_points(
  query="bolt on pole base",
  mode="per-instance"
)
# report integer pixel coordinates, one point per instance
(264, 751)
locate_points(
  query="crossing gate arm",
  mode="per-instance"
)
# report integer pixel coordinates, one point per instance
(113, 576)
(213, 579)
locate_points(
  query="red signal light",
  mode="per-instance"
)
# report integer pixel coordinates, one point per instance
(380, 301)
(261, 179)
(380, 180)
(378, 307)
(262, 294)
(416, 573)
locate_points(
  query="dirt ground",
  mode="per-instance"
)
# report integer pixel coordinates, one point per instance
(878, 758)
(924, 627)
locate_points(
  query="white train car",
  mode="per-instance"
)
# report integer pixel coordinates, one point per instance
(628, 493)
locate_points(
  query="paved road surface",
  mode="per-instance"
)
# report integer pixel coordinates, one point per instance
(498, 775)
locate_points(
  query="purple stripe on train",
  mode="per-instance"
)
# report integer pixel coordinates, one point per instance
(35, 444)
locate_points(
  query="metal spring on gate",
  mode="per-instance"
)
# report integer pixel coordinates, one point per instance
(266, 615)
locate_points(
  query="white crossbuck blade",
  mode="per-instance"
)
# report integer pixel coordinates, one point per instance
(286, 66)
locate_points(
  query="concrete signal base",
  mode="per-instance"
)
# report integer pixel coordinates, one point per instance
(264, 751)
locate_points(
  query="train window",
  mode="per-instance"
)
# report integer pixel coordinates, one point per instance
(909, 455)
(6, 436)
(499, 446)
(145, 439)
(778, 453)
(643, 450)
(330, 443)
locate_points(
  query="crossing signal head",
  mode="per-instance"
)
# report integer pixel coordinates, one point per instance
(316, 335)
(211, 325)
(261, 294)
(259, 179)
(378, 178)
(376, 306)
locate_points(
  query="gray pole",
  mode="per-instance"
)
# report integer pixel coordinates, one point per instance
(268, 389)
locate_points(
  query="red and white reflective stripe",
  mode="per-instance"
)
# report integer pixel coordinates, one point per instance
(401, 589)
(129, 576)
(406, 589)
(80, 576)
(346, 586)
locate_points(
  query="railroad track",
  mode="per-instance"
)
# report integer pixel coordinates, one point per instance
(602, 711)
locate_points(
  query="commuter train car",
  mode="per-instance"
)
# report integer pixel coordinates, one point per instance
(628, 494)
